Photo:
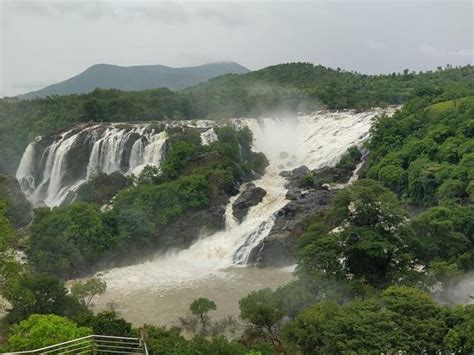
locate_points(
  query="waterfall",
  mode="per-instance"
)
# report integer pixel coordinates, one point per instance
(50, 172)
(314, 140)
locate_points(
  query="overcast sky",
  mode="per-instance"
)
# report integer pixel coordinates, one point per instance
(44, 42)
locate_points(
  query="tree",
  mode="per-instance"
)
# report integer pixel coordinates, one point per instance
(66, 241)
(163, 342)
(260, 309)
(85, 291)
(8, 266)
(443, 234)
(201, 307)
(420, 324)
(309, 331)
(42, 330)
(106, 323)
(38, 294)
(460, 337)
(362, 238)
(402, 319)
(149, 175)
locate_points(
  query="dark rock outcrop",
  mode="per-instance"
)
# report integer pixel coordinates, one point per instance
(188, 228)
(299, 172)
(251, 196)
(277, 249)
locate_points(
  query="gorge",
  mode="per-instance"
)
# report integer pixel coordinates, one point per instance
(52, 168)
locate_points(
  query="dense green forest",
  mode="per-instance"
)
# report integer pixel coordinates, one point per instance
(367, 266)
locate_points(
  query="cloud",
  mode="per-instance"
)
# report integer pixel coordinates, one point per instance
(466, 52)
(376, 45)
(229, 14)
(436, 51)
(171, 13)
(41, 8)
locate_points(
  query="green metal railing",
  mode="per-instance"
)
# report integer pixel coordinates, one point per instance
(94, 344)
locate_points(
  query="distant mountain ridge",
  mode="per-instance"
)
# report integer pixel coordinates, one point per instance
(142, 77)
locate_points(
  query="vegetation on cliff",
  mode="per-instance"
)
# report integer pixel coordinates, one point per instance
(71, 240)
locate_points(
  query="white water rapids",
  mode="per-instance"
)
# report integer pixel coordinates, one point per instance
(315, 141)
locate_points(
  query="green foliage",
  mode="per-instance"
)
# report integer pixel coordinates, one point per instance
(8, 266)
(444, 234)
(460, 336)
(217, 345)
(169, 342)
(161, 341)
(106, 323)
(261, 310)
(369, 243)
(149, 175)
(38, 294)
(101, 188)
(349, 159)
(425, 151)
(18, 209)
(42, 330)
(67, 240)
(201, 307)
(293, 298)
(85, 291)
(403, 319)
(177, 158)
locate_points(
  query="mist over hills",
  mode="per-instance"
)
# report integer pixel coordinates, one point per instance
(142, 77)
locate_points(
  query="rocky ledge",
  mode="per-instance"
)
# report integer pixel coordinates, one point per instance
(308, 193)
(250, 197)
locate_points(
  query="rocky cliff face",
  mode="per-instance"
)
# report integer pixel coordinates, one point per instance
(269, 217)
(307, 196)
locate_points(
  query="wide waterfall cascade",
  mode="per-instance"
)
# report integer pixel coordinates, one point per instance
(51, 170)
(315, 140)
(50, 173)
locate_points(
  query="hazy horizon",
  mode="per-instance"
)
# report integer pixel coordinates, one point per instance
(364, 36)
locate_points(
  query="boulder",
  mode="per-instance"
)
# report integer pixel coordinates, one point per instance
(299, 172)
(293, 193)
(251, 196)
(186, 229)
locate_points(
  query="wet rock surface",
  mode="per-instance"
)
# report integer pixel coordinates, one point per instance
(250, 197)
(188, 228)
(277, 249)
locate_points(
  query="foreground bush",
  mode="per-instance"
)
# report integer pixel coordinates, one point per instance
(43, 330)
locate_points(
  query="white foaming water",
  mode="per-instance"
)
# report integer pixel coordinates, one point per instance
(123, 148)
(316, 140)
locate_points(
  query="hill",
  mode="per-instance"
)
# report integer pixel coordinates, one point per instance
(134, 78)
